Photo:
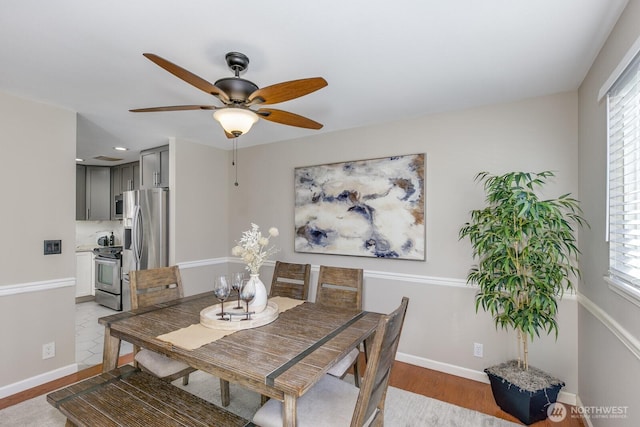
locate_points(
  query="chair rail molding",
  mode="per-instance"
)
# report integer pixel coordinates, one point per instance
(45, 285)
(204, 262)
(417, 278)
(374, 274)
(625, 337)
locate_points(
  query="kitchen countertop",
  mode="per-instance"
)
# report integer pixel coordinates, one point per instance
(85, 248)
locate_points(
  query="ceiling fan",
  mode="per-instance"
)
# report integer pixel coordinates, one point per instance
(238, 95)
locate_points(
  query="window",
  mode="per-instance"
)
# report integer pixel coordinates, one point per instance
(623, 117)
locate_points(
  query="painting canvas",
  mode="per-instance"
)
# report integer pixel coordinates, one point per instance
(371, 208)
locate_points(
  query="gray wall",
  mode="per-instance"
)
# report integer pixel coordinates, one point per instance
(199, 191)
(609, 340)
(36, 291)
(441, 325)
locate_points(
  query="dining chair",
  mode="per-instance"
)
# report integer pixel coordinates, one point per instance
(290, 280)
(156, 286)
(333, 402)
(341, 287)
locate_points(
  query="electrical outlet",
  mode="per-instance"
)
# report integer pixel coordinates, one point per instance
(48, 350)
(477, 349)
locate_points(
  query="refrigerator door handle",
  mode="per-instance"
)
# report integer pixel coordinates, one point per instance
(137, 236)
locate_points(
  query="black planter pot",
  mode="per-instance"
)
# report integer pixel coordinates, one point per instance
(527, 406)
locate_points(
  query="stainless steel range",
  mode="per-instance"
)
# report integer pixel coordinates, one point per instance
(108, 265)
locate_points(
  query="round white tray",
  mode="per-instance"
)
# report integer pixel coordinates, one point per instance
(209, 317)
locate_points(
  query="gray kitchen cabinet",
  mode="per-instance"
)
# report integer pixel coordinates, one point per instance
(116, 180)
(93, 193)
(154, 167)
(98, 193)
(81, 192)
(136, 175)
(131, 176)
(124, 177)
(116, 189)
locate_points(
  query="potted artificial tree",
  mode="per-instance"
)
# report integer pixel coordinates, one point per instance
(527, 255)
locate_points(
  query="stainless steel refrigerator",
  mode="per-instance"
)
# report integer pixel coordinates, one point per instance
(146, 234)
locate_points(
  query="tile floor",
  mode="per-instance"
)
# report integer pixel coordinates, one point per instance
(90, 334)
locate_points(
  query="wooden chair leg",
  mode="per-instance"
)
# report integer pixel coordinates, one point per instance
(185, 380)
(136, 349)
(356, 374)
(367, 344)
(225, 396)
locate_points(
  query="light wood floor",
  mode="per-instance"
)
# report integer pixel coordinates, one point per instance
(459, 391)
(448, 388)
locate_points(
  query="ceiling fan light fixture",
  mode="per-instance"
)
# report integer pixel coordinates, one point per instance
(238, 95)
(236, 121)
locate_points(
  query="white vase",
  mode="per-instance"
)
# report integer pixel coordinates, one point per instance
(259, 302)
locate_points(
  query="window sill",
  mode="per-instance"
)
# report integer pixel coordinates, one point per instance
(628, 292)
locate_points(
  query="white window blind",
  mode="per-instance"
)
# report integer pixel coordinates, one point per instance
(623, 104)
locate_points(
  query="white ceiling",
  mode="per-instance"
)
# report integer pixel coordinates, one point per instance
(383, 60)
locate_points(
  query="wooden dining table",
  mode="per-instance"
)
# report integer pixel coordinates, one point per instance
(281, 360)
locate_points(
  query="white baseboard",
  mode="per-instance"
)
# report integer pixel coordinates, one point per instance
(585, 420)
(568, 398)
(44, 378)
(447, 368)
(471, 374)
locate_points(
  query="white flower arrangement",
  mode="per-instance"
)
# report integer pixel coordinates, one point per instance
(252, 248)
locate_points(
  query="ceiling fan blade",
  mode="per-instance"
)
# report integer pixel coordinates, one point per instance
(286, 118)
(174, 108)
(188, 77)
(286, 91)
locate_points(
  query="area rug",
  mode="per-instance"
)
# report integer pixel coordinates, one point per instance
(402, 408)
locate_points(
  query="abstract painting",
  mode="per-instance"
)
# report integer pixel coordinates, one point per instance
(370, 208)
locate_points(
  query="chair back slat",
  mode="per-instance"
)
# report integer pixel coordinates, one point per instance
(155, 286)
(340, 287)
(373, 391)
(290, 280)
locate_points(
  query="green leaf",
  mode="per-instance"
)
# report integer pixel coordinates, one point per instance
(526, 250)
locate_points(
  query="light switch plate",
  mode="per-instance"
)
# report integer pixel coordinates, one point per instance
(52, 247)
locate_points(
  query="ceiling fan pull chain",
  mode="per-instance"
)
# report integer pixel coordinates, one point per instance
(235, 158)
(235, 148)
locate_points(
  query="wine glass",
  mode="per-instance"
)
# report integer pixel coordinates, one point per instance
(221, 289)
(236, 285)
(247, 292)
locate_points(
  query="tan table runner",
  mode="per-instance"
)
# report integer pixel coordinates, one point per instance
(285, 303)
(196, 336)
